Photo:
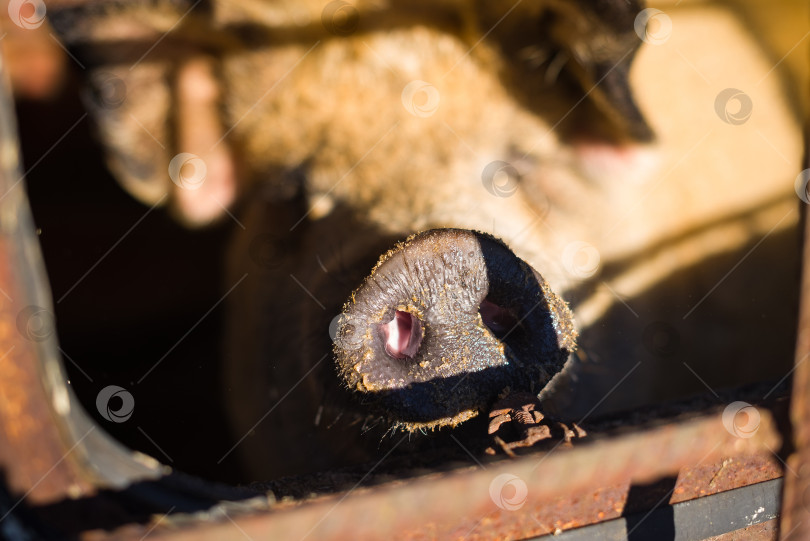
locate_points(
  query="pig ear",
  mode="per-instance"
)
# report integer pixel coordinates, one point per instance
(583, 47)
(156, 105)
(604, 70)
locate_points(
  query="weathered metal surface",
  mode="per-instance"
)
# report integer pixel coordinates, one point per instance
(765, 531)
(563, 489)
(32, 455)
(31, 450)
(49, 448)
(729, 473)
(692, 520)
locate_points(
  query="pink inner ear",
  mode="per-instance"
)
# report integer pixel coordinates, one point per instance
(403, 335)
(499, 320)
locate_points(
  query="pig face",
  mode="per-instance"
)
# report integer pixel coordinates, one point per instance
(372, 157)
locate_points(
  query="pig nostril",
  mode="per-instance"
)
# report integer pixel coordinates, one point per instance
(497, 318)
(403, 335)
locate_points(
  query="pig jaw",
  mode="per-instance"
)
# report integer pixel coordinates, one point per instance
(446, 322)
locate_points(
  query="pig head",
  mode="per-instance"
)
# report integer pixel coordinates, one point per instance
(370, 158)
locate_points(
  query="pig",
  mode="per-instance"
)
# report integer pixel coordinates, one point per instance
(430, 201)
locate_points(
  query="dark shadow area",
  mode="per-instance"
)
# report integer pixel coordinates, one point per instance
(17, 521)
(412, 398)
(132, 291)
(137, 504)
(703, 328)
(642, 500)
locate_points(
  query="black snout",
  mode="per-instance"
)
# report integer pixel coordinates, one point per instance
(447, 321)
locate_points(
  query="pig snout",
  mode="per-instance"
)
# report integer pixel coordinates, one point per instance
(446, 321)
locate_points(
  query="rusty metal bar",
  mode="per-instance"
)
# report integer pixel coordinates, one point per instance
(564, 489)
(31, 448)
(691, 520)
(49, 448)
